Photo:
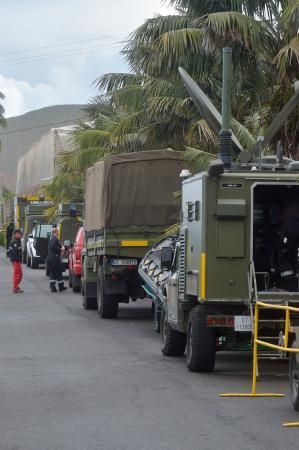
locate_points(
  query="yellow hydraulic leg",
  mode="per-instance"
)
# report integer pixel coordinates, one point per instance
(291, 424)
(253, 392)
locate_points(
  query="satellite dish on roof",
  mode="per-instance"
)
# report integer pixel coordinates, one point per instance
(206, 107)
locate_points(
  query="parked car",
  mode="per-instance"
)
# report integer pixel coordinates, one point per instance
(75, 262)
(37, 245)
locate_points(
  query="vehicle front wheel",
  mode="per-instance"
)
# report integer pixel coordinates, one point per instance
(173, 342)
(27, 260)
(34, 263)
(76, 283)
(201, 342)
(87, 302)
(70, 280)
(294, 378)
(107, 306)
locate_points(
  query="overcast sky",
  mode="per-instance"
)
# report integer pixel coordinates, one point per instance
(81, 40)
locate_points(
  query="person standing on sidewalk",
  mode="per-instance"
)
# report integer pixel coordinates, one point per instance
(15, 254)
(54, 262)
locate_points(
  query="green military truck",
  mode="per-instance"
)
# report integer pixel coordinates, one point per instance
(129, 202)
(68, 220)
(238, 243)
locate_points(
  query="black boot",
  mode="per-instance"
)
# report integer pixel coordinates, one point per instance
(53, 286)
(62, 287)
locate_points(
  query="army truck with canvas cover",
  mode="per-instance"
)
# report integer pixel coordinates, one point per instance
(129, 202)
(68, 219)
(238, 242)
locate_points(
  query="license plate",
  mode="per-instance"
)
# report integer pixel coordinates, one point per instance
(243, 323)
(124, 262)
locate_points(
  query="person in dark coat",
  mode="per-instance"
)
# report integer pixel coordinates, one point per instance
(54, 262)
(15, 254)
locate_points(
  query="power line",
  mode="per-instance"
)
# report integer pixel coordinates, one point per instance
(63, 44)
(56, 55)
(42, 126)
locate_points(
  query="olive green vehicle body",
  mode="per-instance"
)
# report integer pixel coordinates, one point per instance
(128, 204)
(68, 220)
(103, 245)
(215, 267)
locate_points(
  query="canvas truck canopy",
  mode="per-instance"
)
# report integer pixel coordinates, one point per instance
(133, 189)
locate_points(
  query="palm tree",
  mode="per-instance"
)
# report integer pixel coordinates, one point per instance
(149, 107)
(265, 43)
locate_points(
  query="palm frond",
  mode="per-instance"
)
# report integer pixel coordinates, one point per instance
(290, 14)
(198, 160)
(177, 42)
(77, 161)
(288, 58)
(243, 134)
(230, 26)
(113, 81)
(92, 138)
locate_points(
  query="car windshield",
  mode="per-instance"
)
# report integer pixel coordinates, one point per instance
(44, 230)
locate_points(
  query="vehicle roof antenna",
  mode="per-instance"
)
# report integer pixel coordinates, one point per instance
(225, 135)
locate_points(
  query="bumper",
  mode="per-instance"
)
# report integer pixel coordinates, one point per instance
(77, 270)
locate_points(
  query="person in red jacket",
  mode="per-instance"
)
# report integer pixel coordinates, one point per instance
(15, 254)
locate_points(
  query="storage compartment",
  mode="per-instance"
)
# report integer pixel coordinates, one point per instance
(226, 246)
(275, 237)
(230, 222)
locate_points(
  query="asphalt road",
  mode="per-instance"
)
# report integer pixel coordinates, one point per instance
(70, 381)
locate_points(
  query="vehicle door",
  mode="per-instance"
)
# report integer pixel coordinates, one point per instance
(41, 240)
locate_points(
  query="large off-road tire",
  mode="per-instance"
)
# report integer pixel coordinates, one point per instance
(294, 378)
(47, 270)
(88, 302)
(201, 342)
(107, 306)
(173, 342)
(33, 263)
(76, 283)
(28, 263)
(24, 257)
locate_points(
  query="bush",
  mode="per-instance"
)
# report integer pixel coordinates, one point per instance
(2, 238)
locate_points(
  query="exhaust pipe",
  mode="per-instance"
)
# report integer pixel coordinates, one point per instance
(225, 135)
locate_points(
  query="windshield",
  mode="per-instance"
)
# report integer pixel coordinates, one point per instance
(44, 230)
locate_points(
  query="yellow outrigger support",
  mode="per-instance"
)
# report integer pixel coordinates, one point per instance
(257, 342)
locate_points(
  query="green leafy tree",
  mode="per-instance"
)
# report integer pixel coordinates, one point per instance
(149, 108)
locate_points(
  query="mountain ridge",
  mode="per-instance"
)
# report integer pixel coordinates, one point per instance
(22, 131)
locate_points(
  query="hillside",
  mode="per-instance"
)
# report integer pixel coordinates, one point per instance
(22, 131)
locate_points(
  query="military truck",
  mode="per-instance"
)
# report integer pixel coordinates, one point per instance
(238, 243)
(68, 219)
(129, 202)
(20, 204)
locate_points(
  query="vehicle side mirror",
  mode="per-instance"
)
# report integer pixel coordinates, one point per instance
(166, 258)
(67, 243)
